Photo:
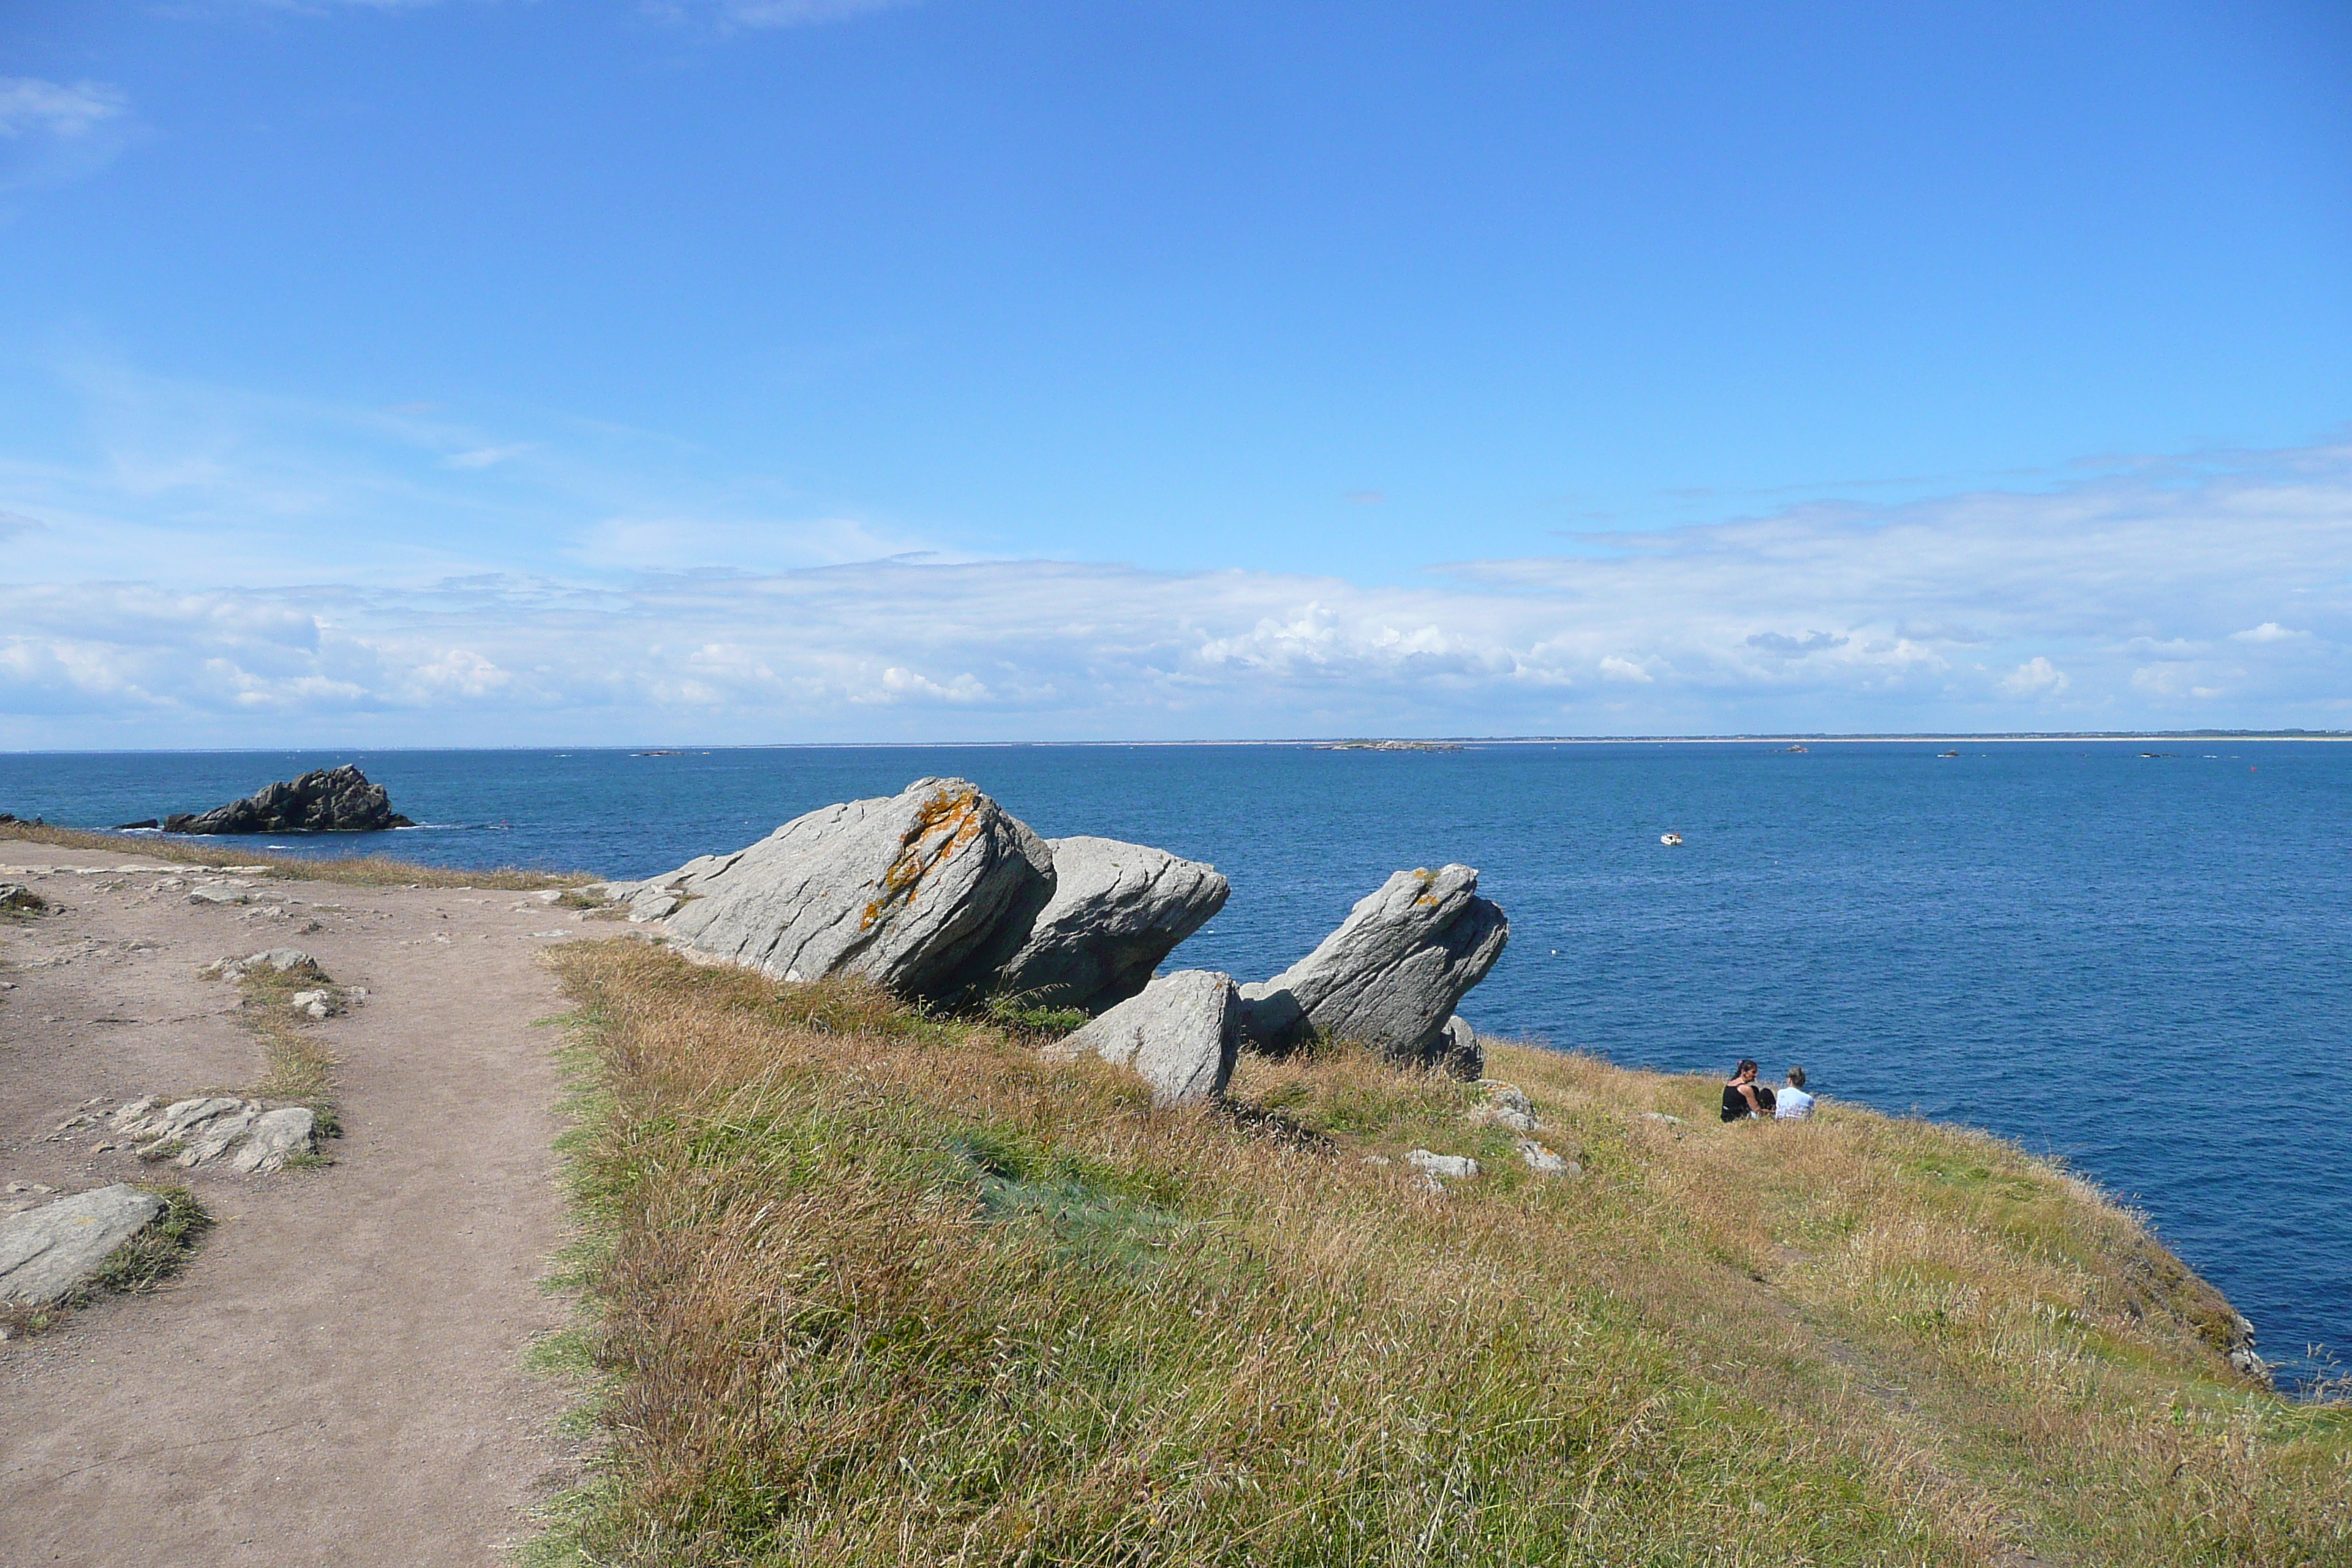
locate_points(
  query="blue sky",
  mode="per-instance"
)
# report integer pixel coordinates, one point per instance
(776, 370)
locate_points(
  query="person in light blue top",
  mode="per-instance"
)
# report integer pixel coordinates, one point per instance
(1792, 1103)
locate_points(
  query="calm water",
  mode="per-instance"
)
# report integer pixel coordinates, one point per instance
(2143, 965)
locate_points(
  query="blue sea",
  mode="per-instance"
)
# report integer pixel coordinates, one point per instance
(2140, 963)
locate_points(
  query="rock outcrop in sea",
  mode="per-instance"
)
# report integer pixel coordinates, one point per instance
(940, 895)
(331, 800)
(1391, 976)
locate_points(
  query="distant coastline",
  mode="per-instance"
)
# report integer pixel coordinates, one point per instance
(1324, 742)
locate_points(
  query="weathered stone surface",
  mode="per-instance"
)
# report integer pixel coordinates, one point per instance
(275, 1137)
(46, 1253)
(1391, 976)
(1459, 1053)
(331, 800)
(1543, 1162)
(212, 1139)
(1504, 1105)
(316, 1004)
(284, 959)
(175, 1120)
(1179, 1033)
(1117, 910)
(19, 896)
(1446, 1167)
(927, 893)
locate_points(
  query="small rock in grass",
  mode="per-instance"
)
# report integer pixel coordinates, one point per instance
(1179, 1033)
(315, 1003)
(1662, 1116)
(1505, 1106)
(1544, 1162)
(1451, 1167)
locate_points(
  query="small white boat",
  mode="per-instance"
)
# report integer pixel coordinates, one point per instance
(1670, 839)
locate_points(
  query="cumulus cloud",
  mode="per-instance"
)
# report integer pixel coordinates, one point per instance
(2269, 631)
(2035, 678)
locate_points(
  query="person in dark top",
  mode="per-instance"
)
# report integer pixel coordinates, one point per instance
(1743, 1096)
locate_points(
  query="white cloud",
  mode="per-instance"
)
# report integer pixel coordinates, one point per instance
(2036, 678)
(485, 456)
(335, 577)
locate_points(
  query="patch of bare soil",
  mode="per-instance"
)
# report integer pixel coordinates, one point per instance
(337, 1375)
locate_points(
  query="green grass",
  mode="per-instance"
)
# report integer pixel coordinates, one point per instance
(862, 1285)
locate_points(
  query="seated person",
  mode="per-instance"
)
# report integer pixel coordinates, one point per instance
(1739, 1096)
(1795, 1104)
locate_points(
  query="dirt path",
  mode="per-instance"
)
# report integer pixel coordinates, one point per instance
(337, 1376)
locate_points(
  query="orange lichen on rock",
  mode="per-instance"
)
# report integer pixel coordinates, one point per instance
(956, 811)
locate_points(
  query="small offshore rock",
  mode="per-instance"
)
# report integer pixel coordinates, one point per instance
(49, 1252)
(1179, 1033)
(1117, 910)
(926, 892)
(1446, 1167)
(275, 1137)
(329, 800)
(135, 827)
(1390, 976)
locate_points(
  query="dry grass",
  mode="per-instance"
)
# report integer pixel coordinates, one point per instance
(300, 1068)
(874, 1288)
(356, 870)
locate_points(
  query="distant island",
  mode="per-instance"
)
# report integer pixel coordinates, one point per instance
(1387, 746)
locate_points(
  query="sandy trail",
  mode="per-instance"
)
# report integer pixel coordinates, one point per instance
(337, 1376)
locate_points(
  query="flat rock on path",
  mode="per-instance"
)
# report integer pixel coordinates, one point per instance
(336, 1375)
(48, 1252)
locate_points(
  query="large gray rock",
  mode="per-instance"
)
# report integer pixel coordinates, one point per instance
(1117, 910)
(331, 800)
(1391, 976)
(47, 1253)
(928, 891)
(1179, 1033)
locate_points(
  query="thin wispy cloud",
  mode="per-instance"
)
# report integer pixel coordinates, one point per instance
(731, 16)
(53, 132)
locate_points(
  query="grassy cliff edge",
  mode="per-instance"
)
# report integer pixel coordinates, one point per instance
(866, 1287)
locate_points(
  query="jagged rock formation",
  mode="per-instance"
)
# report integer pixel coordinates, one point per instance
(1390, 976)
(191, 1132)
(1117, 910)
(928, 891)
(49, 1252)
(1179, 1033)
(940, 895)
(331, 800)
